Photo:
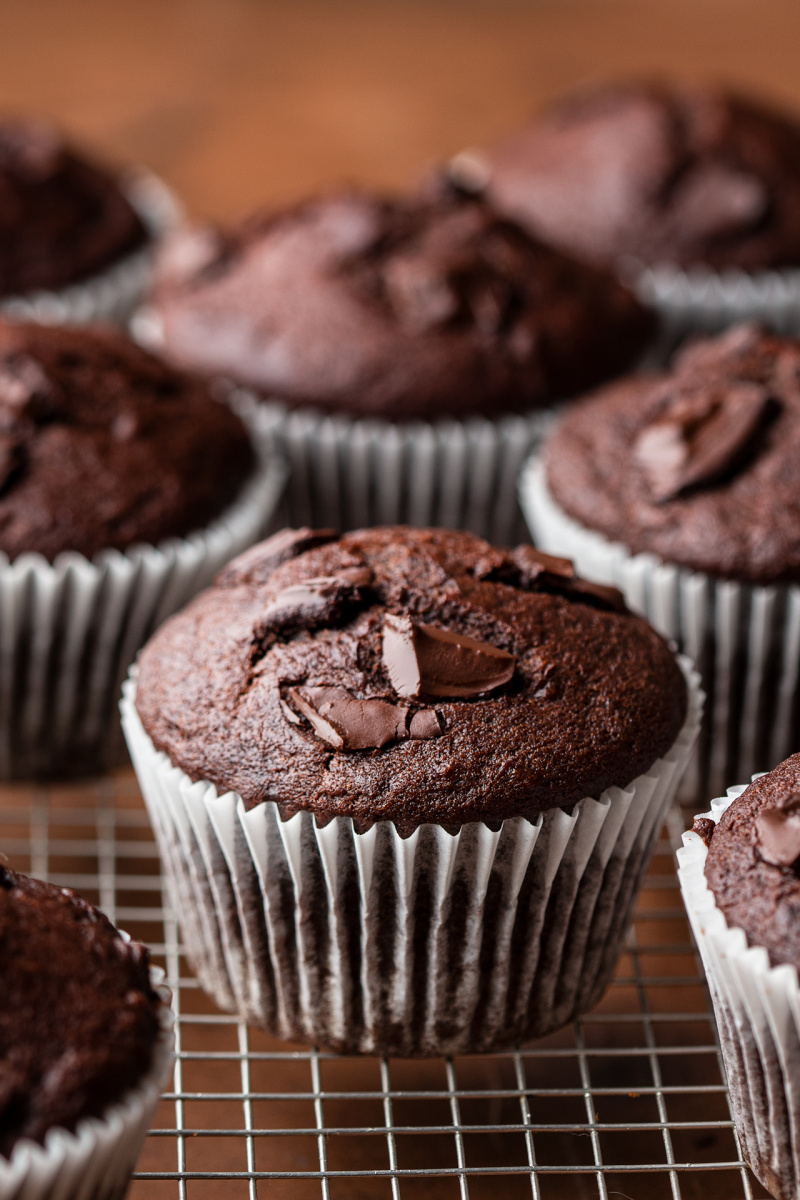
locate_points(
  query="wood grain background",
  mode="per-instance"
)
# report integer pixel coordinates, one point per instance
(237, 102)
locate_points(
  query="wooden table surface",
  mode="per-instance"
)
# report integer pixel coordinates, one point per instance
(236, 102)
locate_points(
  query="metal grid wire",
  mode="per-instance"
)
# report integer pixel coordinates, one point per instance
(629, 1102)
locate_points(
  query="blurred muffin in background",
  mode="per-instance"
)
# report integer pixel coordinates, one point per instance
(124, 486)
(659, 175)
(397, 310)
(75, 239)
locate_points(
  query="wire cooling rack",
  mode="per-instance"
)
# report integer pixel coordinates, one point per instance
(629, 1102)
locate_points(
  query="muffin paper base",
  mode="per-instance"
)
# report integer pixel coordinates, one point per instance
(368, 942)
(95, 1161)
(69, 630)
(744, 640)
(114, 293)
(704, 301)
(350, 473)
(758, 1016)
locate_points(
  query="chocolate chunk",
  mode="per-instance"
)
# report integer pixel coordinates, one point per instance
(778, 835)
(25, 390)
(425, 723)
(347, 723)
(601, 593)
(704, 828)
(533, 565)
(699, 440)
(259, 562)
(325, 600)
(438, 662)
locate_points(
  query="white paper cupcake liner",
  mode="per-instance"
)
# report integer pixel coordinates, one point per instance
(114, 293)
(758, 1017)
(69, 630)
(95, 1161)
(705, 301)
(368, 942)
(744, 640)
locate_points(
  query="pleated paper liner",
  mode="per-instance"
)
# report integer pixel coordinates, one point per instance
(95, 1161)
(371, 943)
(700, 300)
(757, 1008)
(114, 293)
(69, 630)
(744, 640)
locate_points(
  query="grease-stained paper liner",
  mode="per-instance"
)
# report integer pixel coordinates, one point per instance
(114, 293)
(69, 630)
(758, 1017)
(700, 300)
(350, 472)
(743, 638)
(368, 942)
(95, 1161)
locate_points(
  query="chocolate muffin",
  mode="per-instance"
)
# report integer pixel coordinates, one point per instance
(412, 676)
(402, 308)
(103, 446)
(62, 217)
(407, 833)
(699, 464)
(654, 173)
(79, 1020)
(738, 871)
(753, 852)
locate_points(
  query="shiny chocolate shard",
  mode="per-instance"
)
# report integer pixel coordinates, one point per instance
(425, 660)
(260, 561)
(698, 441)
(535, 566)
(539, 572)
(777, 831)
(344, 722)
(324, 600)
(778, 836)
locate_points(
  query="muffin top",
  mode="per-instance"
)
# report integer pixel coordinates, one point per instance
(79, 1018)
(699, 465)
(400, 308)
(653, 172)
(102, 445)
(62, 218)
(753, 863)
(411, 675)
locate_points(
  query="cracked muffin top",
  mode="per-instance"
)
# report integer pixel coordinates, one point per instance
(104, 446)
(753, 863)
(698, 465)
(79, 1018)
(62, 217)
(655, 173)
(403, 308)
(411, 675)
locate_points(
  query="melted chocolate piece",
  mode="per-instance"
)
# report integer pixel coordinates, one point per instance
(438, 662)
(539, 572)
(699, 439)
(535, 567)
(704, 827)
(777, 831)
(325, 600)
(259, 562)
(344, 722)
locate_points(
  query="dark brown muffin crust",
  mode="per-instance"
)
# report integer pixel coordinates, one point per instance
(78, 1018)
(655, 173)
(409, 675)
(104, 446)
(399, 308)
(699, 465)
(753, 864)
(62, 218)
